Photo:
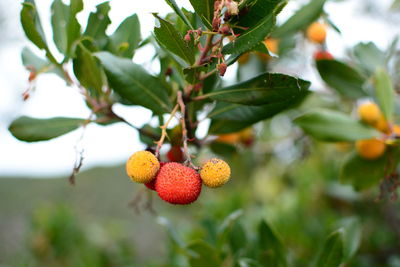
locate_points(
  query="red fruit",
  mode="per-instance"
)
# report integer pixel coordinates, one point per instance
(175, 154)
(323, 55)
(178, 184)
(152, 185)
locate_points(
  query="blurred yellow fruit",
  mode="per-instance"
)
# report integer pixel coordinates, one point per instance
(263, 57)
(243, 59)
(247, 136)
(369, 112)
(231, 138)
(272, 45)
(370, 149)
(396, 130)
(382, 125)
(342, 146)
(316, 32)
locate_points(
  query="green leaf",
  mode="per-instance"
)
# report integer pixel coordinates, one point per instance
(252, 37)
(301, 19)
(31, 129)
(258, 10)
(88, 70)
(171, 231)
(229, 117)
(168, 37)
(384, 93)
(98, 23)
(203, 255)
(346, 80)
(66, 28)
(267, 88)
(31, 24)
(352, 236)
(237, 238)
(272, 250)
(331, 254)
(126, 37)
(134, 84)
(369, 56)
(361, 173)
(334, 126)
(205, 10)
(37, 64)
(178, 11)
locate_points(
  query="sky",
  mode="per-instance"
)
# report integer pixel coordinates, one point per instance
(111, 145)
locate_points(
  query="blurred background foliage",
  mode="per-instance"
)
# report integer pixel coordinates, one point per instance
(285, 204)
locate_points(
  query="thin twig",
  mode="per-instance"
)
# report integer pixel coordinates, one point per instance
(164, 130)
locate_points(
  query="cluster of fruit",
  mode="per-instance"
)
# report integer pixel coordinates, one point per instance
(370, 114)
(173, 181)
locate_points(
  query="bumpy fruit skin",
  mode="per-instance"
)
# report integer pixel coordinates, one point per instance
(178, 184)
(370, 149)
(152, 184)
(316, 32)
(215, 173)
(142, 167)
(320, 55)
(272, 45)
(369, 112)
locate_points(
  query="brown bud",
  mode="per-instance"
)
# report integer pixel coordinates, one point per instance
(168, 72)
(225, 29)
(32, 76)
(222, 68)
(216, 23)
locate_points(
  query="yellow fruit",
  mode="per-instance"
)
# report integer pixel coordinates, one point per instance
(232, 138)
(369, 112)
(215, 173)
(316, 32)
(382, 125)
(243, 59)
(272, 45)
(396, 130)
(263, 57)
(142, 167)
(370, 149)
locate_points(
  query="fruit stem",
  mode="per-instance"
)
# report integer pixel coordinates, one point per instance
(188, 157)
(164, 129)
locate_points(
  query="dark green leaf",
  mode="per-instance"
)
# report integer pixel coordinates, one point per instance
(66, 28)
(252, 37)
(148, 134)
(205, 10)
(203, 255)
(267, 88)
(346, 80)
(178, 11)
(88, 70)
(272, 250)
(331, 254)
(369, 56)
(134, 84)
(126, 37)
(228, 117)
(237, 238)
(301, 19)
(98, 23)
(223, 149)
(361, 173)
(168, 37)
(31, 24)
(257, 11)
(31, 129)
(329, 125)
(384, 93)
